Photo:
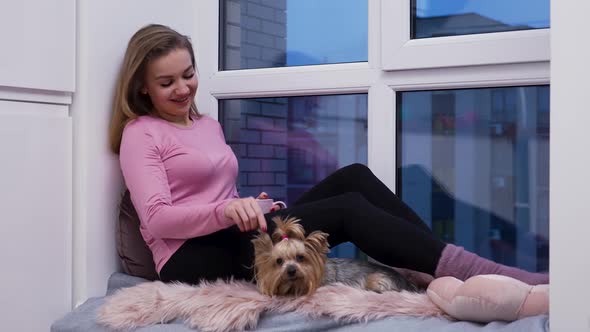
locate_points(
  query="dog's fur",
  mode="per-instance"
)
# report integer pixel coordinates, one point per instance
(290, 263)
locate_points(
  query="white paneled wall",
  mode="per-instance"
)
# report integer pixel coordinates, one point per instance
(37, 39)
(37, 80)
(35, 195)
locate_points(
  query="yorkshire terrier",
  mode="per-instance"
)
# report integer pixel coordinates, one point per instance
(289, 263)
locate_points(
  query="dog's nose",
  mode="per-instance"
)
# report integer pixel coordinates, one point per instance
(291, 270)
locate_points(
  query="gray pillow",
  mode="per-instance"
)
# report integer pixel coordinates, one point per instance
(136, 257)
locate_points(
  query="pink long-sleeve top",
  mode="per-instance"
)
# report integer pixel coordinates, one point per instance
(180, 180)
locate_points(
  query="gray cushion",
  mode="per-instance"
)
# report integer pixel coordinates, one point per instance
(82, 319)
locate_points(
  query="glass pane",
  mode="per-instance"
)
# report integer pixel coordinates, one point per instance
(280, 33)
(286, 145)
(435, 18)
(474, 164)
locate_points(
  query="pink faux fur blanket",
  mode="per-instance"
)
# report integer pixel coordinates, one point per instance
(237, 305)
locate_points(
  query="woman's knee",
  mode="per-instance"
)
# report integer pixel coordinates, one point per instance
(355, 171)
(355, 168)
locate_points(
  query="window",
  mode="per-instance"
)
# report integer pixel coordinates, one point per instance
(474, 164)
(280, 33)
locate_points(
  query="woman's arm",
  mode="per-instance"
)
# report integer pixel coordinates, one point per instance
(147, 181)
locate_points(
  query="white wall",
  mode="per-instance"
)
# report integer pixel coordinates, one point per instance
(570, 178)
(104, 28)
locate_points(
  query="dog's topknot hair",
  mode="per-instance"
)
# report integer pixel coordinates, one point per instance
(289, 228)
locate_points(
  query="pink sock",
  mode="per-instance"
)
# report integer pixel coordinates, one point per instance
(462, 264)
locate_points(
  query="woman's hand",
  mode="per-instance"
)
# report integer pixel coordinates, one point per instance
(246, 213)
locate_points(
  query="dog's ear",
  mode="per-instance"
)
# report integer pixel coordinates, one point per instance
(318, 242)
(264, 271)
(262, 244)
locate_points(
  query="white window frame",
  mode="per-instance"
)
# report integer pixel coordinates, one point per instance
(569, 176)
(401, 53)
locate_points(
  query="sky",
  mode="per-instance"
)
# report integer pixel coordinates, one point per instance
(332, 30)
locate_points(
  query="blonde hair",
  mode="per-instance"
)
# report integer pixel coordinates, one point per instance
(148, 43)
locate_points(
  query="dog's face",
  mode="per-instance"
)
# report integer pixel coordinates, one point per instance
(288, 262)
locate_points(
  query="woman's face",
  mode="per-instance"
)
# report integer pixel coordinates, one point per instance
(171, 83)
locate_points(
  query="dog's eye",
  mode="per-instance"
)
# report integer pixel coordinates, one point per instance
(300, 258)
(279, 261)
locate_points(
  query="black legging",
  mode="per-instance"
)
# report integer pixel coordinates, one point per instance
(352, 205)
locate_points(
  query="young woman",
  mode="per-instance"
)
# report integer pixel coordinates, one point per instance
(182, 178)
